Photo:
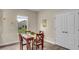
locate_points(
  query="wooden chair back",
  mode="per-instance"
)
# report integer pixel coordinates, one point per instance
(40, 39)
(20, 38)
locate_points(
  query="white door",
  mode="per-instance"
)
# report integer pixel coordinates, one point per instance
(77, 30)
(65, 30)
(60, 30)
(70, 30)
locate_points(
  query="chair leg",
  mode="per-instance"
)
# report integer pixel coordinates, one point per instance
(36, 47)
(27, 44)
(42, 47)
(42, 44)
(21, 46)
(32, 44)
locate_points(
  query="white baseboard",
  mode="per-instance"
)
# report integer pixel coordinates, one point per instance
(3, 44)
(50, 41)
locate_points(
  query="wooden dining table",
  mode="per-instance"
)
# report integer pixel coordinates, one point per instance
(29, 40)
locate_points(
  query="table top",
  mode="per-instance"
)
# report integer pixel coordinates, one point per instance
(26, 36)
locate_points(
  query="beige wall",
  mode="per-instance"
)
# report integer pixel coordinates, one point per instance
(8, 23)
(49, 30)
(0, 26)
(50, 14)
(9, 30)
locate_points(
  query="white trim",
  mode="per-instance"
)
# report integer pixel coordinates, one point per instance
(50, 41)
(8, 43)
(47, 39)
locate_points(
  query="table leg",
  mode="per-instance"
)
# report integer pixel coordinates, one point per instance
(21, 46)
(32, 44)
(42, 44)
(27, 44)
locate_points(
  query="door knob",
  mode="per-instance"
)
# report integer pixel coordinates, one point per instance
(66, 32)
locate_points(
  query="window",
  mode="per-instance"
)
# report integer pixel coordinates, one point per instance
(22, 18)
(22, 23)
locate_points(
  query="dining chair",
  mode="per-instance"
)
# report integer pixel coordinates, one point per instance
(21, 41)
(39, 41)
(41, 32)
(28, 42)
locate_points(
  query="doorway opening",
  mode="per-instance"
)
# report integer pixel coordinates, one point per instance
(22, 24)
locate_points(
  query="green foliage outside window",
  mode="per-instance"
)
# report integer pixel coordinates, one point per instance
(22, 30)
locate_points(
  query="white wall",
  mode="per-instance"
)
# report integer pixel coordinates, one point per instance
(8, 23)
(50, 14)
(10, 29)
(49, 30)
(0, 26)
